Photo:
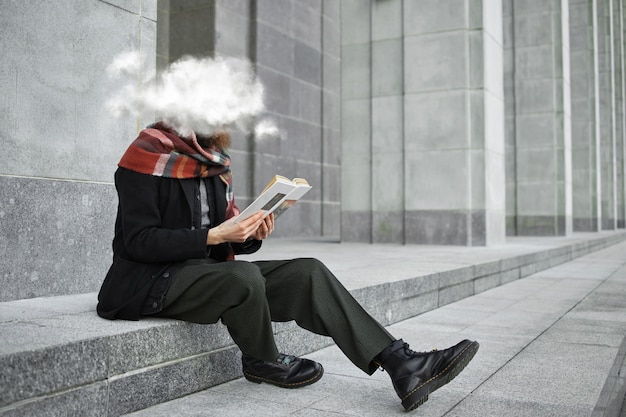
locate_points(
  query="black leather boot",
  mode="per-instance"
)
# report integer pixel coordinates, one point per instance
(286, 372)
(417, 374)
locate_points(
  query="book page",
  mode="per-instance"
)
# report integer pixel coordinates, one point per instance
(269, 199)
(301, 189)
(280, 194)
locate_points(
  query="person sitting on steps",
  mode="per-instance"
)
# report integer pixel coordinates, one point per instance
(174, 256)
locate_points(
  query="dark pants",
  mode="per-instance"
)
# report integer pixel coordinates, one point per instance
(248, 296)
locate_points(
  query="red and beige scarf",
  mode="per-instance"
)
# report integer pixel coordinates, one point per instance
(159, 151)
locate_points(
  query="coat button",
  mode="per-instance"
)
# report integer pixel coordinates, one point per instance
(154, 305)
(166, 275)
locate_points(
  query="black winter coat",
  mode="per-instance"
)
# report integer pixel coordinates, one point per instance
(156, 230)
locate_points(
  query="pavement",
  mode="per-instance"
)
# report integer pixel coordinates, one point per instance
(551, 344)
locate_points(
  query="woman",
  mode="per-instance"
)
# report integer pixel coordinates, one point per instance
(174, 256)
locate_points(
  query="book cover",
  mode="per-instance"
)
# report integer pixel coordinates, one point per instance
(302, 187)
(279, 194)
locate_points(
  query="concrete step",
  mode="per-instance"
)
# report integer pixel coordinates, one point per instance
(58, 358)
(552, 344)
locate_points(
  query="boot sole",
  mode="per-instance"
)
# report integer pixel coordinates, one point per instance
(419, 395)
(258, 379)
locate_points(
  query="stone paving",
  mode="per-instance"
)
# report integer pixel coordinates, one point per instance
(552, 344)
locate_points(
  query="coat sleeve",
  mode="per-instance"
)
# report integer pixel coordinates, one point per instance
(149, 235)
(247, 247)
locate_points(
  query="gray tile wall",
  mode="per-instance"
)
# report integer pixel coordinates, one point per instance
(423, 122)
(295, 46)
(386, 107)
(356, 127)
(618, 109)
(585, 130)
(607, 117)
(57, 201)
(509, 116)
(542, 118)
(57, 183)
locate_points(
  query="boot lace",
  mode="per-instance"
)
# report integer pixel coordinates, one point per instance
(285, 359)
(407, 350)
(411, 352)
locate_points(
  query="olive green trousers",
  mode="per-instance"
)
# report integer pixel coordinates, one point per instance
(248, 296)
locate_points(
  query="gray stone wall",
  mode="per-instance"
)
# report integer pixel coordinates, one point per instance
(454, 123)
(416, 122)
(295, 48)
(356, 127)
(423, 122)
(618, 77)
(387, 122)
(607, 117)
(57, 201)
(297, 58)
(424, 131)
(541, 114)
(585, 105)
(508, 31)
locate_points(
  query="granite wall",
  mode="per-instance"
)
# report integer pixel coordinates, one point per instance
(57, 200)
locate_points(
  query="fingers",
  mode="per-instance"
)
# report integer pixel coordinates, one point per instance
(240, 232)
(268, 226)
(264, 229)
(256, 226)
(270, 222)
(254, 220)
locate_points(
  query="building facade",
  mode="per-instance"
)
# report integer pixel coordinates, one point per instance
(417, 121)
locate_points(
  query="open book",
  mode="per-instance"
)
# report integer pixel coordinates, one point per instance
(279, 194)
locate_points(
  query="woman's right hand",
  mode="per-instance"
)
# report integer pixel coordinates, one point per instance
(234, 232)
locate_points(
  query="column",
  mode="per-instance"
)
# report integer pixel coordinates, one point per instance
(356, 113)
(618, 69)
(542, 118)
(509, 117)
(454, 122)
(387, 123)
(606, 87)
(585, 104)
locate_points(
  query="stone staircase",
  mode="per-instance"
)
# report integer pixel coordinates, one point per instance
(57, 357)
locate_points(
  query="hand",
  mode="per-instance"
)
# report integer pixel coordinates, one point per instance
(265, 229)
(236, 232)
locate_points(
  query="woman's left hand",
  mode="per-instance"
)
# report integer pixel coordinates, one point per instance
(265, 229)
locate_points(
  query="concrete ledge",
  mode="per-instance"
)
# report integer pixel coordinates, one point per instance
(548, 343)
(612, 397)
(55, 350)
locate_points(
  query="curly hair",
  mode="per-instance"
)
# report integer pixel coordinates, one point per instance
(220, 139)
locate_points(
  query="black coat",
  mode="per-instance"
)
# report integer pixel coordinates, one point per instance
(157, 228)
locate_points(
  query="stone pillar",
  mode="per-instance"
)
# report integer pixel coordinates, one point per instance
(422, 122)
(331, 119)
(607, 116)
(356, 113)
(184, 29)
(585, 105)
(387, 123)
(509, 117)
(454, 122)
(618, 69)
(543, 204)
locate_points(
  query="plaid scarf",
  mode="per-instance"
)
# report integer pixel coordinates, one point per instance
(159, 151)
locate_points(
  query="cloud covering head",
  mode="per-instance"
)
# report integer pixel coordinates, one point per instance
(204, 95)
